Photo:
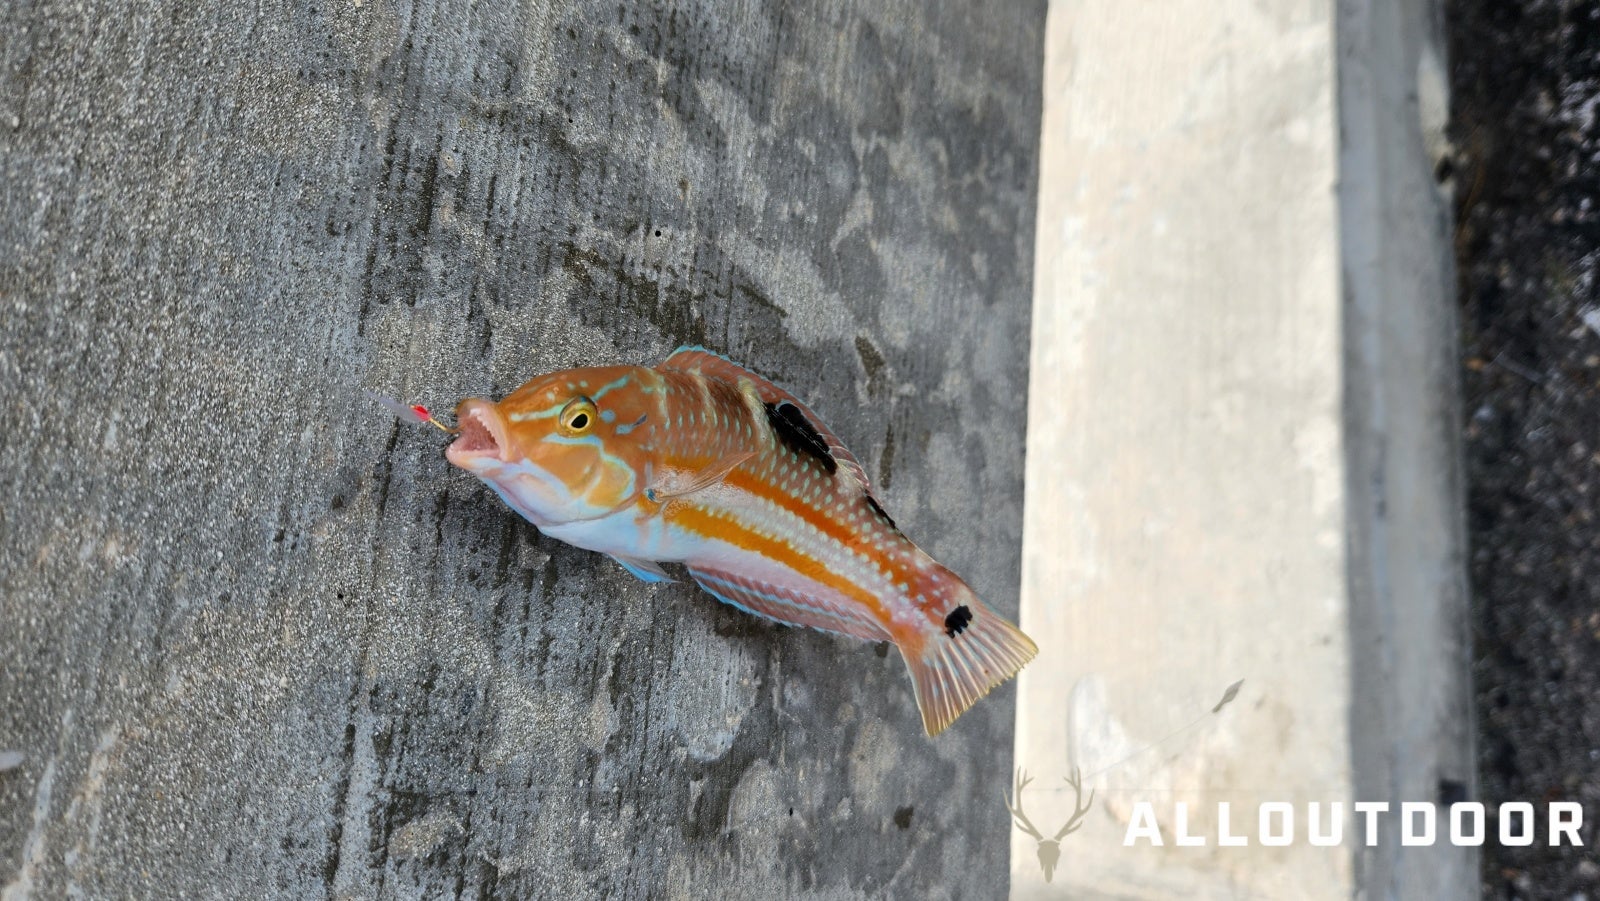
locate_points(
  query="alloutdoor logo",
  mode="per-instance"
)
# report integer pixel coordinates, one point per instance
(1420, 824)
(1317, 824)
(1049, 848)
(1279, 824)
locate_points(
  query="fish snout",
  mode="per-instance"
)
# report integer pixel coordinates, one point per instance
(482, 441)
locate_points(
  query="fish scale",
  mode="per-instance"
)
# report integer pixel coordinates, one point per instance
(701, 462)
(775, 475)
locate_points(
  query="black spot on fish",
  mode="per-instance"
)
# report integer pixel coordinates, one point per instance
(957, 621)
(794, 430)
(902, 817)
(873, 503)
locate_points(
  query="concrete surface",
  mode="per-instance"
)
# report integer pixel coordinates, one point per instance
(1411, 715)
(260, 641)
(1240, 456)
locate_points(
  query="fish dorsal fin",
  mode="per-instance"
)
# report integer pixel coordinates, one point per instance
(712, 365)
(795, 430)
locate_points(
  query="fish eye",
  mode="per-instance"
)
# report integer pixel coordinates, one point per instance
(577, 416)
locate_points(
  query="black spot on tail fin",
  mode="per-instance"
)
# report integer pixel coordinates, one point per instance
(797, 432)
(957, 621)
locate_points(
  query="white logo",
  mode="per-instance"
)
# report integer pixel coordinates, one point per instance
(1049, 848)
(1419, 824)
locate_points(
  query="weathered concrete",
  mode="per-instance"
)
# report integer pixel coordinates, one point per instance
(260, 641)
(1411, 721)
(1241, 461)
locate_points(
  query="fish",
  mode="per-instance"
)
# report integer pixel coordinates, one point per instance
(700, 462)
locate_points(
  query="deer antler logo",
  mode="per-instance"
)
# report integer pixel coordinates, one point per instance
(1049, 848)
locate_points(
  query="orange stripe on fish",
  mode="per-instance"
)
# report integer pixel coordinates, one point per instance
(720, 528)
(703, 463)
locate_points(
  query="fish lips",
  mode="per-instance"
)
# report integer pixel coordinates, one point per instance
(484, 449)
(482, 444)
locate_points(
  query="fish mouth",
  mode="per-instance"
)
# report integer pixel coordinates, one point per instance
(482, 439)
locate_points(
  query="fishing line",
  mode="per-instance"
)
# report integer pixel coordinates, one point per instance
(414, 413)
(1228, 695)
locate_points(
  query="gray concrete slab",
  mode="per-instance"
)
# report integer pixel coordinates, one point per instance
(1241, 462)
(1411, 715)
(261, 641)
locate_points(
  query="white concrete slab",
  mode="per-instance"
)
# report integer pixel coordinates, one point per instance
(1190, 519)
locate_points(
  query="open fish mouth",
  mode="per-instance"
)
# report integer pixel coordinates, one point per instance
(482, 438)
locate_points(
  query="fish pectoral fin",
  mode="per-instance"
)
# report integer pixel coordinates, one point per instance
(786, 605)
(702, 480)
(645, 570)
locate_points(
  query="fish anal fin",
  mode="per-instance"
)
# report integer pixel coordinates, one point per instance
(644, 570)
(715, 366)
(785, 605)
(952, 669)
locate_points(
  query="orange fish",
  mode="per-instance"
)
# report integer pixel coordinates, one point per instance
(701, 462)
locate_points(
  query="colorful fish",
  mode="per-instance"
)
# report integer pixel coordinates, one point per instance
(700, 462)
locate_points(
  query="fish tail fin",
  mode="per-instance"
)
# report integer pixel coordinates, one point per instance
(952, 669)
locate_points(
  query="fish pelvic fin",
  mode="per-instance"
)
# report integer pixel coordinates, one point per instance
(643, 570)
(952, 669)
